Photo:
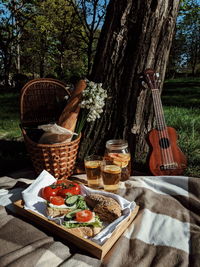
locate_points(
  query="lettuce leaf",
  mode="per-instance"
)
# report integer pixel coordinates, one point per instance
(81, 204)
(96, 223)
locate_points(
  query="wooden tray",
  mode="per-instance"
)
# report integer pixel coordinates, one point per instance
(86, 244)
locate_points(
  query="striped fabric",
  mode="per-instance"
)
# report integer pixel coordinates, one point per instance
(166, 231)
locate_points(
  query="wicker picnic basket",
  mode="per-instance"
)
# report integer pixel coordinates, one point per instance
(40, 103)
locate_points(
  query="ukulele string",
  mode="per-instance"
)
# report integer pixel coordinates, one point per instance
(165, 131)
(160, 129)
(158, 121)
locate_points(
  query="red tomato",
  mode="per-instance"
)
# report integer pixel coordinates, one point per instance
(84, 216)
(62, 182)
(49, 191)
(57, 200)
(71, 187)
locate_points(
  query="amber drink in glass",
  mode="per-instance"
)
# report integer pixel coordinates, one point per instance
(117, 151)
(111, 175)
(92, 168)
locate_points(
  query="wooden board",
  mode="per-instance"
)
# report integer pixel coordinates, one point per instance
(83, 243)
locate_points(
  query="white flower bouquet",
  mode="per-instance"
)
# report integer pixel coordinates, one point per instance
(93, 101)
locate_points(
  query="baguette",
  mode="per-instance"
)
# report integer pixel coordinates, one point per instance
(79, 87)
(72, 106)
(71, 119)
(69, 116)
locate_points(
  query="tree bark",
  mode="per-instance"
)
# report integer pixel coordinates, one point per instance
(136, 35)
(42, 55)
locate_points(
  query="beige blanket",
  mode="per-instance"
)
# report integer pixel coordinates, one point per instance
(166, 231)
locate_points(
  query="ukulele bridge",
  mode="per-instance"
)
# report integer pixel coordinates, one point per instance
(170, 166)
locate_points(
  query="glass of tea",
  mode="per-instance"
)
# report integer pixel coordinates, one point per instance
(111, 175)
(117, 151)
(92, 168)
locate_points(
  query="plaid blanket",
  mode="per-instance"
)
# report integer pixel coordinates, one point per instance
(166, 231)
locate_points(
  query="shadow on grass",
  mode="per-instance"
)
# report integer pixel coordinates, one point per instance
(13, 156)
(184, 94)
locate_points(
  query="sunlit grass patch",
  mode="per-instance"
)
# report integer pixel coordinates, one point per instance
(187, 124)
(9, 116)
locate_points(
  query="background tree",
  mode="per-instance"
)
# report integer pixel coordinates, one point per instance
(185, 52)
(90, 14)
(190, 25)
(136, 35)
(13, 18)
(46, 33)
(48, 41)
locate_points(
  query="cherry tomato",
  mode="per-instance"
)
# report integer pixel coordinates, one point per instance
(71, 187)
(57, 200)
(84, 216)
(49, 191)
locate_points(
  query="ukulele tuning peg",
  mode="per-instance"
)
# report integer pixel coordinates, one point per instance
(143, 83)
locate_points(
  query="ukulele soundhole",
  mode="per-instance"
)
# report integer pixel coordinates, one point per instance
(164, 142)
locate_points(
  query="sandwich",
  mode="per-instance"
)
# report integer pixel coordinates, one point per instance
(78, 218)
(84, 223)
(88, 223)
(58, 206)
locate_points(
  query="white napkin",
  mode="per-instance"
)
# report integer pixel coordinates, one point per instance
(32, 200)
(37, 204)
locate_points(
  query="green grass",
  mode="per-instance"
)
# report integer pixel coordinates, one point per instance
(181, 101)
(9, 116)
(184, 93)
(183, 80)
(186, 121)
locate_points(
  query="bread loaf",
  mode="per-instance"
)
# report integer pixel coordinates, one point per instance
(69, 116)
(106, 208)
(79, 87)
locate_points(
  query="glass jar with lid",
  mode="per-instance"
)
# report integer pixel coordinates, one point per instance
(117, 150)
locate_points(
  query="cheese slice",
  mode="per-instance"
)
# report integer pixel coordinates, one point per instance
(62, 206)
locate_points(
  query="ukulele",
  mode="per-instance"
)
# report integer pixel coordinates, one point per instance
(165, 157)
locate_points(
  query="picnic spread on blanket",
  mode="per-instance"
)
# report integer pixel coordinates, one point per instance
(104, 216)
(165, 232)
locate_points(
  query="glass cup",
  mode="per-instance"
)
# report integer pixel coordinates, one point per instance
(111, 175)
(117, 150)
(92, 168)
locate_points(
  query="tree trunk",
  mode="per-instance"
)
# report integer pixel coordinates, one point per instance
(136, 35)
(18, 65)
(7, 66)
(43, 47)
(42, 66)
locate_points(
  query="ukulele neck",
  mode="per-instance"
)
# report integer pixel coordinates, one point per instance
(159, 113)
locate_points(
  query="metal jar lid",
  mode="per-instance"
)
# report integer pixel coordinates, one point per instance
(116, 144)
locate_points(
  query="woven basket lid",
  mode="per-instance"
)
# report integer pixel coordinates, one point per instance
(42, 101)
